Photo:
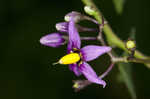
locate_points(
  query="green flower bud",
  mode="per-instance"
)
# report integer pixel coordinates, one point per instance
(89, 10)
(130, 44)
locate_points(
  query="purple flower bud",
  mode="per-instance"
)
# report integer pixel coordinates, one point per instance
(62, 26)
(78, 17)
(80, 84)
(52, 40)
(75, 15)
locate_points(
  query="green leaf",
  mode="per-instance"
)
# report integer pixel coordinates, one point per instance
(126, 77)
(119, 4)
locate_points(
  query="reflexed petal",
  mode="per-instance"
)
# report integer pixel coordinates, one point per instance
(90, 74)
(62, 26)
(91, 52)
(75, 69)
(74, 38)
(52, 40)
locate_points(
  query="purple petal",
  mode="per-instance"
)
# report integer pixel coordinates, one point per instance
(69, 47)
(52, 40)
(91, 52)
(90, 74)
(74, 38)
(75, 69)
(62, 26)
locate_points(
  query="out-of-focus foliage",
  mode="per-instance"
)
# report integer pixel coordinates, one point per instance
(125, 69)
(125, 76)
(119, 5)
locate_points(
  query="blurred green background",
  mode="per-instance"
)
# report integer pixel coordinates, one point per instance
(24, 72)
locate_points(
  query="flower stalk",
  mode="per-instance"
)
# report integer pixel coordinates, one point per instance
(127, 60)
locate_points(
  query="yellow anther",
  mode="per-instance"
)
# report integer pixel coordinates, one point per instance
(75, 49)
(130, 44)
(70, 58)
(76, 85)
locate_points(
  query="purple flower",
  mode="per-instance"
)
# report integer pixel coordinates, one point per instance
(52, 40)
(78, 57)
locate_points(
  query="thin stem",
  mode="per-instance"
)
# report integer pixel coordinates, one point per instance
(91, 19)
(107, 71)
(88, 38)
(85, 29)
(126, 60)
(100, 37)
(82, 38)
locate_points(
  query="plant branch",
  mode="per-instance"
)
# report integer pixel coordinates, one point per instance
(112, 39)
(126, 60)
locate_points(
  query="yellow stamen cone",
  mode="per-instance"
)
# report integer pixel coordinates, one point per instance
(70, 58)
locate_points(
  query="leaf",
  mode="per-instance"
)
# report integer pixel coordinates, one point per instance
(126, 77)
(119, 4)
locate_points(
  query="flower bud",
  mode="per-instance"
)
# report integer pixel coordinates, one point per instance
(80, 84)
(76, 85)
(75, 15)
(62, 26)
(52, 40)
(79, 17)
(130, 44)
(89, 10)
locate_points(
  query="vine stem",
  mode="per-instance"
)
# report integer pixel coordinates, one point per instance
(126, 60)
(112, 39)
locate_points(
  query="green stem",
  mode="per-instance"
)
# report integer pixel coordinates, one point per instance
(112, 39)
(126, 60)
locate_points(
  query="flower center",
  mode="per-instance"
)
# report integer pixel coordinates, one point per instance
(70, 58)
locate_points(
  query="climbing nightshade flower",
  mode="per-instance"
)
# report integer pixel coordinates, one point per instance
(78, 57)
(52, 40)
